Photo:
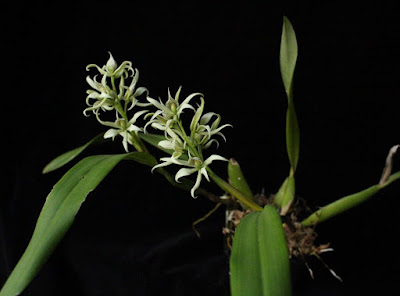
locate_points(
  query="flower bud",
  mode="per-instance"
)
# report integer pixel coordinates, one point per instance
(111, 64)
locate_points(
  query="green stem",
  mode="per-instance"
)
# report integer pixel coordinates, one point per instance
(233, 191)
(138, 143)
(192, 149)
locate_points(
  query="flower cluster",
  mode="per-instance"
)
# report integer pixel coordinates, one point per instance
(187, 147)
(105, 97)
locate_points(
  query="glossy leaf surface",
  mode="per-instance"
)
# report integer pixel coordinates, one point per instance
(259, 262)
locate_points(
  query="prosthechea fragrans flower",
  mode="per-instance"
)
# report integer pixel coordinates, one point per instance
(123, 128)
(122, 99)
(170, 112)
(187, 148)
(193, 165)
(111, 69)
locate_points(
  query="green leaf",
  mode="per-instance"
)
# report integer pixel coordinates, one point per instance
(339, 206)
(259, 262)
(285, 195)
(346, 203)
(288, 58)
(292, 136)
(288, 55)
(58, 213)
(65, 158)
(237, 179)
(153, 140)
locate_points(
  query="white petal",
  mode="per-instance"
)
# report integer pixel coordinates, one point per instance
(111, 63)
(134, 128)
(166, 144)
(97, 67)
(158, 105)
(125, 141)
(197, 116)
(196, 185)
(139, 91)
(160, 165)
(183, 107)
(206, 118)
(92, 83)
(111, 133)
(126, 65)
(212, 158)
(136, 116)
(203, 171)
(208, 144)
(178, 93)
(187, 100)
(184, 172)
(220, 128)
(158, 126)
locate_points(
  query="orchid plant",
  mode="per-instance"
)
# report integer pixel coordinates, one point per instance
(262, 232)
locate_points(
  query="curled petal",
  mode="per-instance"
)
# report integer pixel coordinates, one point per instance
(207, 117)
(166, 144)
(203, 171)
(167, 161)
(111, 133)
(212, 158)
(125, 140)
(158, 105)
(122, 69)
(106, 123)
(187, 100)
(208, 144)
(134, 128)
(102, 71)
(136, 116)
(92, 83)
(183, 107)
(139, 91)
(158, 126)
(184, 172)
(196, 185)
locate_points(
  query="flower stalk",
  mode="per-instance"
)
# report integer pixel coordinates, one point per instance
(233, 191)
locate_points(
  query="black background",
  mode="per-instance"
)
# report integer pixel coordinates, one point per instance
(133, 235)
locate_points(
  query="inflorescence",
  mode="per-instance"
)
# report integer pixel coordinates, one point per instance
(187, 146)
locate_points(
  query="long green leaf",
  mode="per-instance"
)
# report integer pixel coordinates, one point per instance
(153, 140)
(259, 262)
(288, 55)
(66, 157)
(346, 203)
(237, 180)
(285, 195)
(288, 58)
(292, 136)
(58, 213)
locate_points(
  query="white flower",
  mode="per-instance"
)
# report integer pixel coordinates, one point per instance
(123, 128)
(173, 142)
(101, 93)
(194, 165)
(111, 69)
(170, 112)
(204, 132)
(199, 167)
(130, 94)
